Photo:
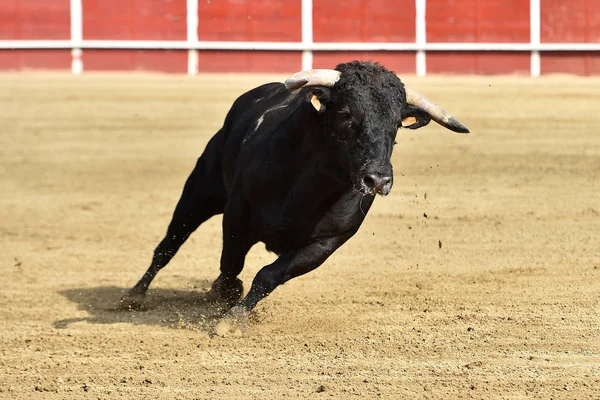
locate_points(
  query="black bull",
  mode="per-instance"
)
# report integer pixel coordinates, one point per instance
(297, 167)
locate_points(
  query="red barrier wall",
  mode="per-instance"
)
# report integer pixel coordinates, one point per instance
(245, 61)
(256, 21)
(20, 20)
(35, 19)
(35, 59)
(575, 21)
(365, 21)
(135, 20)
(478, 21)
(399, 62)
(470, 21)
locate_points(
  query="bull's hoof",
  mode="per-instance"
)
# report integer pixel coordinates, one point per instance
(226, 291)
(232, 323)
(132, 301)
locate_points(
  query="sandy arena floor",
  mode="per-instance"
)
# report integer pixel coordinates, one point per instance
(509, 307)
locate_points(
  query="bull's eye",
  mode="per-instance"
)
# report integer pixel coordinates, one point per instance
(345, 113)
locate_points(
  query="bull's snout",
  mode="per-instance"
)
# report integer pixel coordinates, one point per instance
(378, 183)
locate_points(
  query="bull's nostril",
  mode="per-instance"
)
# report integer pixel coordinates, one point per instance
(369, 181)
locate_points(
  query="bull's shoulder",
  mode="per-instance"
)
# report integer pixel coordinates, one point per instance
(244, 119)
(262, 108)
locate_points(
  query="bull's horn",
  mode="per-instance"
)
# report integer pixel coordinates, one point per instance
(436, 112)
(312, 77)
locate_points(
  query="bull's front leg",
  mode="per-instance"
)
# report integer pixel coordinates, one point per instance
(287, 266)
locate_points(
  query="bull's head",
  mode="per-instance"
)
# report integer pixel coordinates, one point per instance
(363, 105)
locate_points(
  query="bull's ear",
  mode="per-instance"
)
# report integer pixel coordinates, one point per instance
(414, 117)
(319, 97)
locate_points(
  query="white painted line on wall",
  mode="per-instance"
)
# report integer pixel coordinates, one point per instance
(76, 61)
(535, 36)
(292, 46)
(421, 36)
(192, 35)
(307, 34)
(76, 36)
(192, 62)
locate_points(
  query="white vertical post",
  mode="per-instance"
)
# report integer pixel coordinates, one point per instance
(76, 36)
(535, 36)
(307, 33)
(421, 36)
(192, 35)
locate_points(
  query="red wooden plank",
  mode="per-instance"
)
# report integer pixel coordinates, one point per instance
(490, 63)
(364, 21)
(136, 60)
(134, 19)
(35, 59)
(575, 21)
(399, 62)
(480, 21)
(35, 19)
(246, 61)
(250, 20)
(579, 63)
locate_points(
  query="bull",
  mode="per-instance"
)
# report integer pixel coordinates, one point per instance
(296, 166)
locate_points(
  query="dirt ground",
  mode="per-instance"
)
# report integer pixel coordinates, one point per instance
(478, 277)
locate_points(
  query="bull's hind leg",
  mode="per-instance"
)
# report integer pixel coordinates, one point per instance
(237, 241)
(203, 196)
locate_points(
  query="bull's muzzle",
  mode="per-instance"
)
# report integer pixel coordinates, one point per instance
(377, 183)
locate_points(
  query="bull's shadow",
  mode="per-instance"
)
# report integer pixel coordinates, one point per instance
(190, 309)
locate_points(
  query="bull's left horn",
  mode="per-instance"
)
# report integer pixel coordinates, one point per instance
(437, 114)
(313, 77)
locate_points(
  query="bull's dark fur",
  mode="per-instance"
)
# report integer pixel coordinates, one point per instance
(297, 179)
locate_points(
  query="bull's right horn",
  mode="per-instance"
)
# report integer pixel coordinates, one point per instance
(313, 77)
(436, 112)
